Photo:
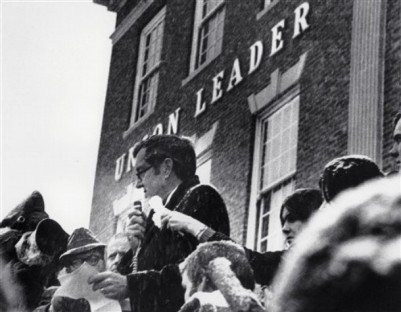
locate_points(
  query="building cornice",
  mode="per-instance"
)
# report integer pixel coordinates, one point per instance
(130, 20)
(112, 5)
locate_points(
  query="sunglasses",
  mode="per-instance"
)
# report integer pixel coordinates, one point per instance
(140, 173)
(92, 260)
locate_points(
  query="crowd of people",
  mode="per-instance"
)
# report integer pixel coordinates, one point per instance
(342, 247)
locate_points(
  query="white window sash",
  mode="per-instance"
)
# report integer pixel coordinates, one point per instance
(199, 21)
(254, 238)
(139, 78)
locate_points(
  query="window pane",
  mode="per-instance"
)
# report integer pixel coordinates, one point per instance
(147, 95)
(263, 246)
(203, 171)
(266, 204)
(147, 68)
(265, 226)
(209, 5)
(279, 143)
(270, 224)
(210, 37)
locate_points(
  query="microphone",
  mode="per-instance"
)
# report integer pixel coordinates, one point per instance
(137, 205)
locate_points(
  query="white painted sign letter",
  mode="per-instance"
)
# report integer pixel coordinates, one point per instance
(130, 160)
(236, 76)
(300, 23)
(158, 129)
(217, 91)
(200, 106)
(172, 127)
(119, 167)
(277, 37)
(256, 56)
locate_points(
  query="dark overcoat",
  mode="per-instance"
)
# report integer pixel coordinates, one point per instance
(163, 247)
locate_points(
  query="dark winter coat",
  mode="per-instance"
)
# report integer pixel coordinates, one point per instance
(149, 293)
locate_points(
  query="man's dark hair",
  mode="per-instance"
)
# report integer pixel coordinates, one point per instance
(179, 149)
(197, 262)
(301, 204)
(345, 172)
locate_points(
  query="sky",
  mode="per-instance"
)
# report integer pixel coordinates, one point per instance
(55, 58)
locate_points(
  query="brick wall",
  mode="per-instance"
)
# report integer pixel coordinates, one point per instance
(392, 74)
(324, 95)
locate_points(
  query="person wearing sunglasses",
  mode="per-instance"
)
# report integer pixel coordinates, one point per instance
(165, 166)
(82, 247)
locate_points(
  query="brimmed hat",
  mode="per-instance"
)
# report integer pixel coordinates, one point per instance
(81, 240)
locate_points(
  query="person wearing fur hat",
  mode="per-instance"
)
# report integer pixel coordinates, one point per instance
(30, 245)
(218, 277)
(82, 247)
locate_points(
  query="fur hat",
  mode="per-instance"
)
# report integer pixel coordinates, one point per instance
(50, 237)
(26, 216)
(42, 245)
(81, 240)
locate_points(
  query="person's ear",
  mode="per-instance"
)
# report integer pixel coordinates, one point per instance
(167, 167)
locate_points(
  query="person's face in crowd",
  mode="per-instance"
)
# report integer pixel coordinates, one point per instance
(291, 227)
(396, 150)
(148, 177)
(94, 258)
(115, 252)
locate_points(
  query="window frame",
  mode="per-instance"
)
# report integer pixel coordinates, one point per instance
(267, 6)
(202, 160)
(139, 78)
(258, 193)
(271, 212)
(199, 21)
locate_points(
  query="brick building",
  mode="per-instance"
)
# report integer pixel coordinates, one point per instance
(269, 91)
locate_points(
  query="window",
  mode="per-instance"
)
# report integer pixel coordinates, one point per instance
(265, 3)
(147, 72)
(277, 137)
(204, 170)
(122, 206)
(208, 32)
(265, 6)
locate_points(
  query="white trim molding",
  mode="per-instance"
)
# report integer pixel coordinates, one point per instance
(130, 20)
(365, 116)
(279, 82)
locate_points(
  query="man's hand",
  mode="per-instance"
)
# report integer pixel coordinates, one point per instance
(180, 222)
(66, 304)
(111, 285)
(136, 226)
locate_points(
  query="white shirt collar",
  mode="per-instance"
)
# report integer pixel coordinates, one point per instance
(170, 195)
